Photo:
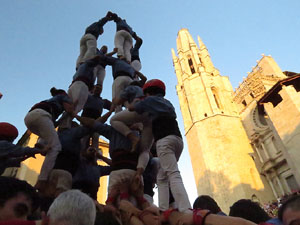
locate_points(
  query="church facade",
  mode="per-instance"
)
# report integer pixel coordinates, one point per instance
(237, 144)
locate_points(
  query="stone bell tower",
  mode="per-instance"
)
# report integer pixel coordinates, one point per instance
(218, 145)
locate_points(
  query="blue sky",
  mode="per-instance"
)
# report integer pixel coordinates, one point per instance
(39, 44)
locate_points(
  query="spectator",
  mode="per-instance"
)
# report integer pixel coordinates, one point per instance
(72, 208)
(207, 202)
(249, 210)
(289, 212)
(18, 199)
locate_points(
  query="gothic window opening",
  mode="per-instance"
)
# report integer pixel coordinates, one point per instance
(251, 94)
(191, 65)
(216, 97)
(244, 103)
(200, 59)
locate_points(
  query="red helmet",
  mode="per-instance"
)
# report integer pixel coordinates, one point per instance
(8, 130)
(154, 83)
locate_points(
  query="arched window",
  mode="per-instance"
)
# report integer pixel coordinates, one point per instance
(216, 97)
(191, 65)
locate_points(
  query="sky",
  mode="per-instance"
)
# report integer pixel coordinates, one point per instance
(39, 45)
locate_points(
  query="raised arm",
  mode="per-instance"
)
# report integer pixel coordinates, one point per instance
(141, 76)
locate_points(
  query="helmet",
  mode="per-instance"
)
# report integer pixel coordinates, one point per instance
(154, 83)
(8, 130)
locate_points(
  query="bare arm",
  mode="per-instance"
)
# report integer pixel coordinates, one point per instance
(112, 53)
(211, 219)
(141, 76)
(104, 118)
(88, 122)
(105, 159)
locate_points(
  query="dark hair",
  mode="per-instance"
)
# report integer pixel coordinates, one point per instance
(136, 83)
(11, 187)
(248, 210)
(55, 91)
(154, 91)
(206, 202)
(292, 202)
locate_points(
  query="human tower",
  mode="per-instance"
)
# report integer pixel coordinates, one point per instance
(143, 120)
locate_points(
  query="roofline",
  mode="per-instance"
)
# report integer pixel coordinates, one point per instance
(276, 87)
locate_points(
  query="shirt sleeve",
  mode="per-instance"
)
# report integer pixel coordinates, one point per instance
(104, 170)
(102, 21)
(12, 150)
(138, 44)
(107, 60)
(103, 129)
(106, 104)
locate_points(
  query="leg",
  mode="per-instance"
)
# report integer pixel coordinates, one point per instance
(83, 49)
(169, 150)
(78, 92)
(88, 48)
(127, 46)
(100, 74)
(163, 190)
(40, 123)
(91, 48)
(119, 43)
(121, 121)
(136, 64)
(119, 84)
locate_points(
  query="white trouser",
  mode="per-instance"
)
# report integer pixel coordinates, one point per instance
(39, 122)
(119, 84)
(78, 92)
(121, 121)
(99, 71)
(169, 150)
(136, 64)
(88, 48)
(118, 177)
(123, 41)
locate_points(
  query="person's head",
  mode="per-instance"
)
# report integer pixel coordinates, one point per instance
(206, 202)
(154, 87)
(97, 89)
(249, 210)
(55, 92)
(8, 132)
(18, 199)
(289, 212)
(72, 208)
(58, 182)
(103, 49)
(90, 153)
